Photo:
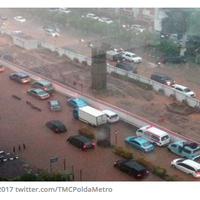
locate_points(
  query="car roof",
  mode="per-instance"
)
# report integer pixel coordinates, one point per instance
(140, 140)
(134, 164)
(154, 130)
(180, 86)
(21, 74)
(77, 100)
(37, 89)
(192, 163)
(44, 82)
(129, 52)
(157, 73)
(56, 122)
(81, 137)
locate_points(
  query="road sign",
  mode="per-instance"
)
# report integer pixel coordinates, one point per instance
(54, 159)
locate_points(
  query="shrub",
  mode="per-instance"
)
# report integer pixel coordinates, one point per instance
(159, 171)
(87, 133)
(125, 153)
(146, 163)
(175, 178)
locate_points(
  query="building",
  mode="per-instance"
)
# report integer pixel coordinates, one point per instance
(25, 41)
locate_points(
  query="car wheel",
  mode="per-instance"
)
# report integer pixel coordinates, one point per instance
(173, 166)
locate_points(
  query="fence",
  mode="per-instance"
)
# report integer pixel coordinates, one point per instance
(168, 91)
(124, 115)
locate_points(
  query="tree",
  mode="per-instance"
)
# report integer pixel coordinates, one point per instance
(168, 47)
(177, 20)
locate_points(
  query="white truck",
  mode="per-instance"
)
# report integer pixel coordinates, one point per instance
(90, 115)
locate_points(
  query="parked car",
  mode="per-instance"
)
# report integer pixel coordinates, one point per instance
(17, 32)
(81, 142)
(1, 68)
(138, 27)
(20, 77)
(56, 126)
(114, 56)
(76, 103)
(38, 93)
(139, 143)
(20, 19)
(131, 57)
(185, 149)
(127, 67)
(109, 47)
(162, 78)
(174, 59)
(105, 19)
(184, 90)
(188, 166)
(111, 116)
(64, 10)
(132, 168)
(92, 16)
(3, 18)
(51, 32)
(54, 105)
(45, 85)
(51, 27)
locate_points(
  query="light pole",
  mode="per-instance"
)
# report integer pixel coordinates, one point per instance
(116, 133)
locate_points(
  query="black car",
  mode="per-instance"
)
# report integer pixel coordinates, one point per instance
(162, 78)
(20, 77)
(132, 167)
(127, 67)
(56, 126)
(174, 59)
(81, 142)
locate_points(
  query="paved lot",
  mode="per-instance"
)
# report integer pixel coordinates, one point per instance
(20, 124)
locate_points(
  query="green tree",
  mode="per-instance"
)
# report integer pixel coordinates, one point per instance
(168, 47)
(177, 20)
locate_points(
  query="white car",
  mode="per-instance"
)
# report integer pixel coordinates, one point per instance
(107, 20)
(184, 90)
(138, 27)
(51, 32)
(64, 10)
(131, 57)
(188, 166)
(16, 32)
(20, 19)
(92, 16)
(111, 116)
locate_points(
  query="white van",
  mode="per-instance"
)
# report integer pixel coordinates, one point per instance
(154, 135)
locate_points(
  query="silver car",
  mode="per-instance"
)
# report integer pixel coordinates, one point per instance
(38, 93)
(54, 105)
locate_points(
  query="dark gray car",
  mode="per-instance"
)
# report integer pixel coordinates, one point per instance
(20, 77)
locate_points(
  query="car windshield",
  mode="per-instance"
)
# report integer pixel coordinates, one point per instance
(166, 137)
(187, 90)
(197, 151)
(54, 103)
